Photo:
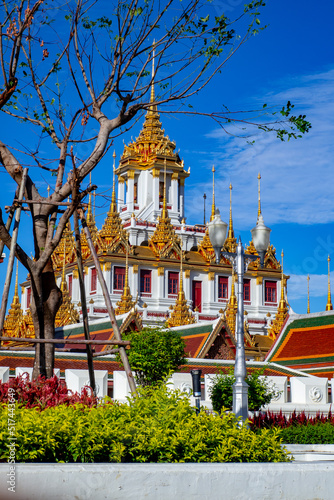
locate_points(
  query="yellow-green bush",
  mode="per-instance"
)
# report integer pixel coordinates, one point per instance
(156, 426)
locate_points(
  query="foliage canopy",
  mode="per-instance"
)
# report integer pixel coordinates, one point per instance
(154, 354)
(260, 392)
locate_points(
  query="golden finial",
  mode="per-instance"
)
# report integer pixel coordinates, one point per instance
(16, 291)
(180, 314)
(63, 285)
(89, 212)
(126, 302)
(232, 307)
(113, 196)
(94, 194)
(48, 189)
(282, 310)
(329, 305)
(282, 277)
(231, 242)
(213, 194)
(259, 192)
(153, 69)
(164, 214)
(308, 294)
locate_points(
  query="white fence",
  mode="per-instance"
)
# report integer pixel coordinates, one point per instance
(310, 394)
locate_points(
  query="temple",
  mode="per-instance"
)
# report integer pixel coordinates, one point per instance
(156, 263)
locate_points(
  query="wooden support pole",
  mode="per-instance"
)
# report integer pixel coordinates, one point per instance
(8, 224)
(83, 300)
(122, 343)
(12, 254)
(108, 303)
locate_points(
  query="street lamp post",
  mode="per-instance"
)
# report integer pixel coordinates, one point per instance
(240, 262)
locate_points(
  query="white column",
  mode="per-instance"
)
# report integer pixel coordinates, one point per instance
(174, 189)
(161, 283)
(181, 194)
(186, 284)
(130, 191)
(121, 185)
(155, 190)
(210, 284)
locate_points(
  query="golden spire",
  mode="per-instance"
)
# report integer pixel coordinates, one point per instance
(90, 218)
(230, 242)
(153, 108)
(12, 323)
(164, 213)
(125, 304)
(329, 305)
(16, 298)
(213, 208)
(66, 314)
(113, 236)
(164, 241)
(232, 307)
(308, 294)
(282, 310)
(113, 196)
(259, 195)
(181, 314)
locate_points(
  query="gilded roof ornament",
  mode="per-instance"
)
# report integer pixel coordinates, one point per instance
(230, 244)
(90, 220)
(67, 241)
(329, 305)
(180, 314)
(232, 307)
(282, 310)
(113, 237)
(16, 324)
(66, 314)
(15, 313)
(126, 303)
(213, 207)
(164, 242)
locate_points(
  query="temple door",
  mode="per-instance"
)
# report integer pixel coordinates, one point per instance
(197, 295)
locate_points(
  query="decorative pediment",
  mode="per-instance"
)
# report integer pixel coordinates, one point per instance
(270, 261)
(164, 242)
(66, 247)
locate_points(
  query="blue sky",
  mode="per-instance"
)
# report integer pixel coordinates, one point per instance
(293, 59)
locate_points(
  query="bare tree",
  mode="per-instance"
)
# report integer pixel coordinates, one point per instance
(59, 77)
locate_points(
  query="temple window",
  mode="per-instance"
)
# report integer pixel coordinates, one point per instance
(135, 192)
(222, 287)
(93, 280)
(145, 281)
(28, 297)
(247, 292)
(119, 278)
(270, 291)
(173, 283)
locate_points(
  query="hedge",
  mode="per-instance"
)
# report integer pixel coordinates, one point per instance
(157, 426)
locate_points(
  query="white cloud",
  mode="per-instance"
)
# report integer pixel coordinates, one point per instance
(297, 176)
(297, 285)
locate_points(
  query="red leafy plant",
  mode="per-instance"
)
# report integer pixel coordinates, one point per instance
(269, 419)
(44, 393)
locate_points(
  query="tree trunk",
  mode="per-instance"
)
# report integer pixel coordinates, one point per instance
(46, 300)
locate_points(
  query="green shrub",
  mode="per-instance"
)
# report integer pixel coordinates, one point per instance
(309, 434)
(157, 426)
(154, 354)
(260, 392)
